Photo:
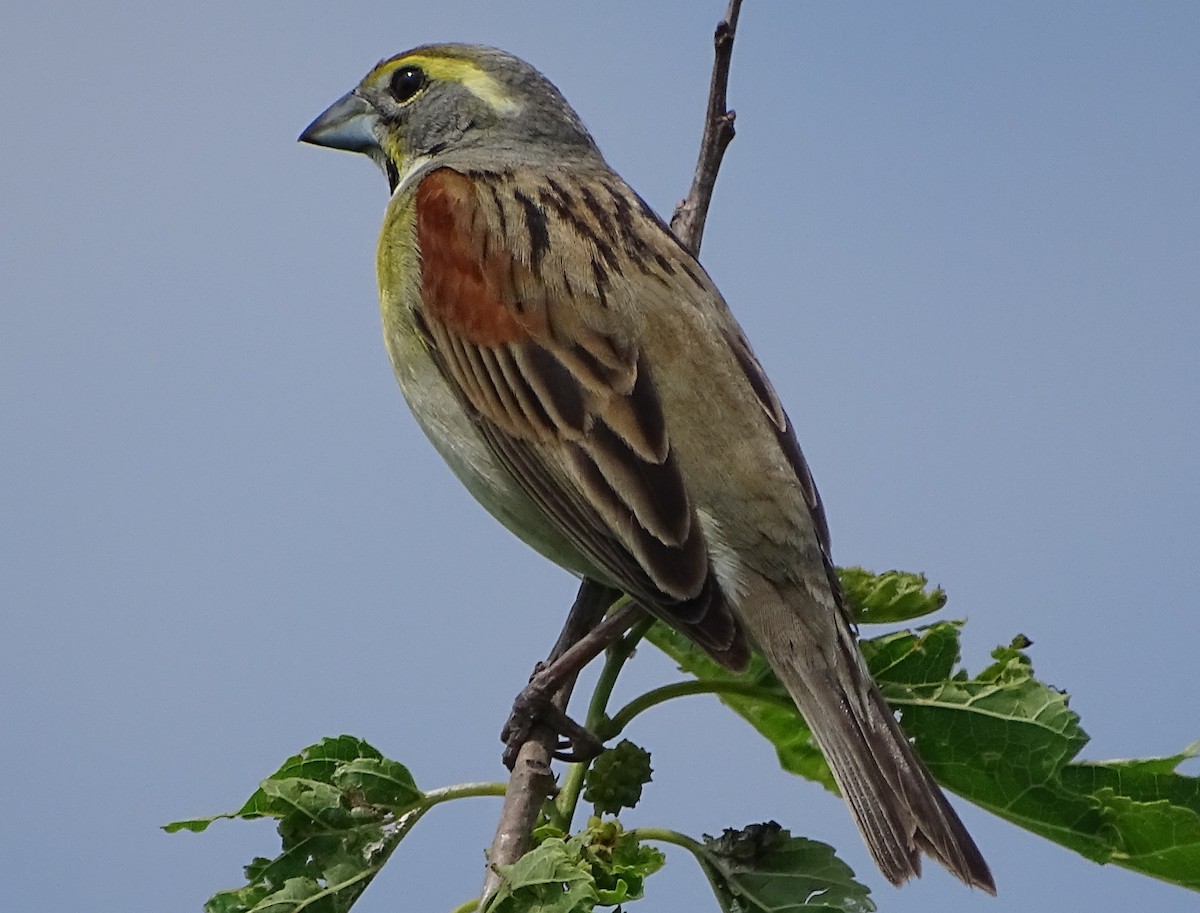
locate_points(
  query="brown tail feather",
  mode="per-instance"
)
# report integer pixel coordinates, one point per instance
(899, 809)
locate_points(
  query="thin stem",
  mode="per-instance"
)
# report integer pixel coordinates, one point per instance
(615, 658)
(463, 791)
(568, 795)
(697, 849)
(618, 655)
(468, 906)
(407, 820)
(657, 696)
(663, 835)
(690, 215)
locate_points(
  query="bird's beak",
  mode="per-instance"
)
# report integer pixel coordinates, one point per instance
(349, 124)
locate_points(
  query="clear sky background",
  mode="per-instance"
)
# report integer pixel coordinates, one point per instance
(964, 239)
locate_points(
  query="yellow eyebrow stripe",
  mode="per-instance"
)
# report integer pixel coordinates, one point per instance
(455, 69)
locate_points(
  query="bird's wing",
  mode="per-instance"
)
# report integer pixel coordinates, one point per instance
(514, 279)
(785, 434)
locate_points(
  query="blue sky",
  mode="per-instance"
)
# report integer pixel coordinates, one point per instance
(963, 239)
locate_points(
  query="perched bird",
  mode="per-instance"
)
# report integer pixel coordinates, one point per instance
(583, 377)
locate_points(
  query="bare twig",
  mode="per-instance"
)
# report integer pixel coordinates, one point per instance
(528, 786)
(691, 213)
(532, 780)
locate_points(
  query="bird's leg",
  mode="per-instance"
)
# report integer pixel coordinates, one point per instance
(543, 701)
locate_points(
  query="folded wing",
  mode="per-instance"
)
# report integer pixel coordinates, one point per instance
(514, 309)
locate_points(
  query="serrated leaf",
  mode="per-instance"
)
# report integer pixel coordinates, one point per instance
(618, 861)
(888, 597)
(338, 805)
(919, 657)
(296, 894)
(1158, 838)
(237, 901)
(551, 878)
(195, 825)
(1155, 778)
(763, 869)
(307, 805)
(379, 781)
(602, 865)
(1002, 739)
(317, 762)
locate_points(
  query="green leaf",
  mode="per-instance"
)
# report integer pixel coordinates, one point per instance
(919, 657)
(888, 597)
(551, 878)
(1002, 739)
(378, 781)
(317, 763)
(195, 825)
(296, 894)
(604, 865)
(619, 862)
(342, 808)
(1008, 742)
(616, 778)
(763, 869)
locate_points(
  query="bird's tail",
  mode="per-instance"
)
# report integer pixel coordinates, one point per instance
(899, 809)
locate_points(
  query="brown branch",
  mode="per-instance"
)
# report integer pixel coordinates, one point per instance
(691, 213)
(531, 781)
(528, 787)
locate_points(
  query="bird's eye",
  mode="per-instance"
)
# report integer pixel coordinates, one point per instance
(407, 82)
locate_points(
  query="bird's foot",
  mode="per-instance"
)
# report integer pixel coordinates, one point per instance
(533, 707)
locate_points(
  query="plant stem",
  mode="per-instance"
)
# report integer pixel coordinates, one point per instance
(652, 698)
(617, 656)
(688, 220)
(697, 849)
(406, 820)
(462, 791)
(663, 835)
(614, 659)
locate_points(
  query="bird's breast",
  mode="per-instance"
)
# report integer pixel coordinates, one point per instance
(436, 405)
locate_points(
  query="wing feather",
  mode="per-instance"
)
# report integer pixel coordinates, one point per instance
(569, 408)
(785, 434)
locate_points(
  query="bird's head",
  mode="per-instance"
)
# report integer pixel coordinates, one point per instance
(458, 104)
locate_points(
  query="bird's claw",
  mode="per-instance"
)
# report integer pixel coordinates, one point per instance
(533, 707)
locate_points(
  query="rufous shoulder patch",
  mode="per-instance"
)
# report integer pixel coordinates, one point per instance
(461, 285)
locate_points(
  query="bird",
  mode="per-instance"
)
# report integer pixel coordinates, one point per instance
(577, 369)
